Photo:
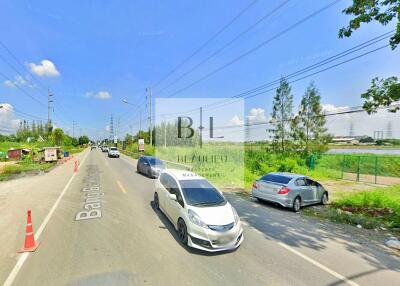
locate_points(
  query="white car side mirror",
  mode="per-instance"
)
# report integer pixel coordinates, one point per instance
(172, 197)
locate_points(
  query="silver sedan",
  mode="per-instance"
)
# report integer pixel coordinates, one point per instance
(289, 190)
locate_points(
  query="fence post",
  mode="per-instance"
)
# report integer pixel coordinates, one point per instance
(312, 162)
(358, 168)
(376, 169)
(343, 162)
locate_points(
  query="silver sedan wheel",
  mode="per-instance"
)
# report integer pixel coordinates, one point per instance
(296, 205)
(324, 199)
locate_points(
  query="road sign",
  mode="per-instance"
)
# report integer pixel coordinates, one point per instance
(115, 139)
(141, 145)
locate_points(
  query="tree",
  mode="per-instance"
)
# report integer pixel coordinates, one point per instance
(83, 140)
(310, 129)
(58, 135)
(365, 11)
(367, 139)
(383, 92)
(281, 115)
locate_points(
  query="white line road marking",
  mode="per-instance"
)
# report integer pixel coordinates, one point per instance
(21, 260)
(305, 257)
(319, 265)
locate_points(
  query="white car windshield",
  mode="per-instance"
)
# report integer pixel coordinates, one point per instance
(200, 192)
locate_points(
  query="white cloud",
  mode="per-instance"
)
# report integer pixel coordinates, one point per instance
(103, 95)
(235, 120)
(8, 124)
(329, 108)
(256, 115)
(99, 95)
(88, 93)
(45, 68)
(18, 81)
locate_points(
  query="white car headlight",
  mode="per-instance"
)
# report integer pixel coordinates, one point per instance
(235, 215)
(195, 218)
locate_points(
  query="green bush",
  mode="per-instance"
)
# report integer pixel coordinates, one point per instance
(377, 198)
(287, 164)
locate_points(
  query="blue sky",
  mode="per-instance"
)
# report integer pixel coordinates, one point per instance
(105, 51)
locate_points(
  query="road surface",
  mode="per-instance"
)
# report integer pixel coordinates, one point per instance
(133, 244)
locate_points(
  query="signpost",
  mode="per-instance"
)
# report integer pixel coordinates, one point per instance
(141, 145)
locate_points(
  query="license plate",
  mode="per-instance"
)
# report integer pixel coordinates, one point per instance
(224, 240)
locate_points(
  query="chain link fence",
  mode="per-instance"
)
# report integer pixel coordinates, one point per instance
(376, 169)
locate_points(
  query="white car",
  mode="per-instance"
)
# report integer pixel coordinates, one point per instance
(113, 152)
(200, 213)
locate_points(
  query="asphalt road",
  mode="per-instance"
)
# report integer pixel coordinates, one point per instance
(133, 244)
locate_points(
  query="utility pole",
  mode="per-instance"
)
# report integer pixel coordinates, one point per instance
(111, 128)
(49, 101)
(150, 115)
(201, 127)
(73, 128)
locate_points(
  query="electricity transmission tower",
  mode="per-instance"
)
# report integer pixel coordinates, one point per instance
(111, 128)
(351, 129)
(389, 130)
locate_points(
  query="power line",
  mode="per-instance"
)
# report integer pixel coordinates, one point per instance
(314, 73)
(23, 91)
(21, 65)
(31, 76)
(351, 110)
(237, 37)
(261, 88)
(23, 113)
(317, 72)
(206, 42)
(328, 68)
(252, 50)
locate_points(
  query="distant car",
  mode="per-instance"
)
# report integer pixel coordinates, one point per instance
(289, 190)
(92, 147)
(104, 148)
(150, 166)
(199, 212)
(113, 152)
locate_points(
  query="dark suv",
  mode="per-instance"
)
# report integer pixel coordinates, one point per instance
(150, 166)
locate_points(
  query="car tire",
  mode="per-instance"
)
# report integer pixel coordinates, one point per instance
(149, 174)
(296, 204)
(182, 232)
(156, 201)
(324, 199)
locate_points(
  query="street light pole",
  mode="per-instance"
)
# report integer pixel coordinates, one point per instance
(140, 113)
(150, 122)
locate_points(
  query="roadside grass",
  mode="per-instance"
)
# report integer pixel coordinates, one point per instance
(372, 208)
(74, 150)
(10, 170)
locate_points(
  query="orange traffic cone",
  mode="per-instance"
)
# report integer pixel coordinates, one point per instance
(30, 244)
(76, 167)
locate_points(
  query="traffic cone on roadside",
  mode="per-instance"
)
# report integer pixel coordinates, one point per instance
(76, 167)
(30, 244)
